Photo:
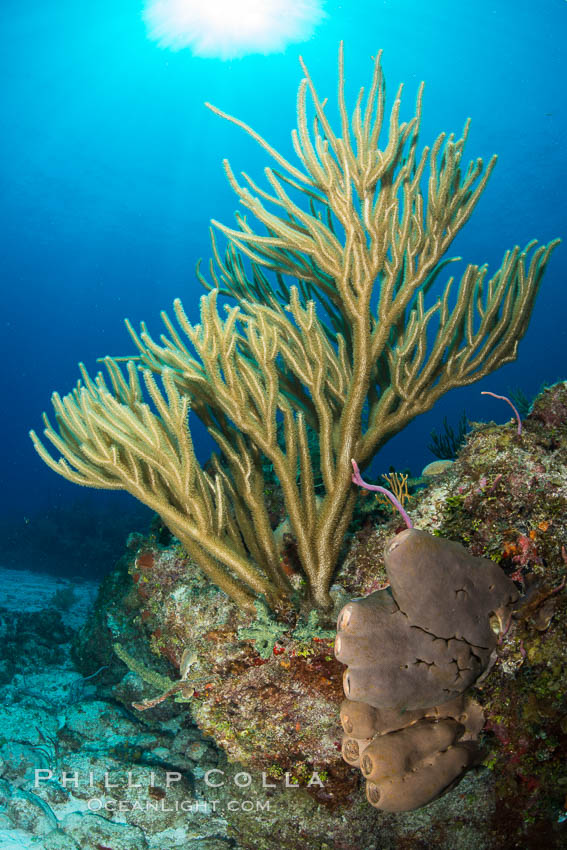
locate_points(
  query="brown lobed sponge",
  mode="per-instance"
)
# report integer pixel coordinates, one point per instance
(412, 650)
(427, 637)
(410, 758)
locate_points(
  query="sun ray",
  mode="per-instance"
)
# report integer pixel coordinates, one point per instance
(228, 29)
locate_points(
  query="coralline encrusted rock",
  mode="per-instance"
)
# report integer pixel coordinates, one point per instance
(499, 493)
(412, 650)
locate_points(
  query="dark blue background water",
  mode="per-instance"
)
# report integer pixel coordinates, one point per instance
(111, 170)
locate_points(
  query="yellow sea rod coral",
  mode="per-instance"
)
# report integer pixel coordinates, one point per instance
(344, 342)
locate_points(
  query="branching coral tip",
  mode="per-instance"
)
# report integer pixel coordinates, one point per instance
(356, 479)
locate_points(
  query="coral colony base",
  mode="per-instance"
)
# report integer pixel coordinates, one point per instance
(303, 375)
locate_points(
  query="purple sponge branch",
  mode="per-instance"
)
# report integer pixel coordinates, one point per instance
(504, 398)
(356, 479)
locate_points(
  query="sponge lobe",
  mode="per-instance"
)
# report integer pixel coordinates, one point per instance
(428, 637)
(444, 589)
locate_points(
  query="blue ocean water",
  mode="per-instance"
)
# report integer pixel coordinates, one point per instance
(111, 168)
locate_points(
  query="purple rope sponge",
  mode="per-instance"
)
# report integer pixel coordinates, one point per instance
(356, 479)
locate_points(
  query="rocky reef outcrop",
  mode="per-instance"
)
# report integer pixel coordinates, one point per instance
(268, 689)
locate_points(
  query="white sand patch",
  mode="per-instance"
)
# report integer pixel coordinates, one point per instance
(24, 590)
